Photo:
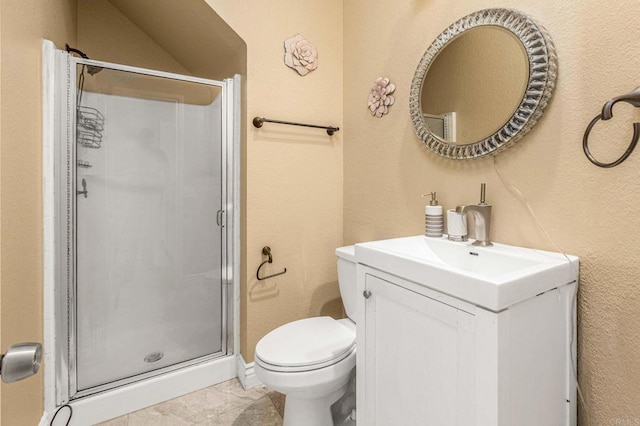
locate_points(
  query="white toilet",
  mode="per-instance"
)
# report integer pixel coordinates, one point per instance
(311, 360)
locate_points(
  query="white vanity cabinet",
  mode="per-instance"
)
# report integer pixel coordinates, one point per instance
(428, 358)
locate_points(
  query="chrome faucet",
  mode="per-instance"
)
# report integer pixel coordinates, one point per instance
(481, 213)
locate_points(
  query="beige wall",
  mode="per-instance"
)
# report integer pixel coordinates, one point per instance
(186, 38)
(588, 211)
(293, 175)
(23, 25)
(104, 33)
(192, 32)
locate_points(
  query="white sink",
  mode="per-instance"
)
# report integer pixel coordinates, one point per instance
(492, 277)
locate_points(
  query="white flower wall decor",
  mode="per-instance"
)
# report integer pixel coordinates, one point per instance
(380, 98)
(300, 55)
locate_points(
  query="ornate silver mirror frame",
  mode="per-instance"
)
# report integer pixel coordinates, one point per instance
(542, 76)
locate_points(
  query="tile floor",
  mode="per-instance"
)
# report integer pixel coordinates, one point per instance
(226, 404)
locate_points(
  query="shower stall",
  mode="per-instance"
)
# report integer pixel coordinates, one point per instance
(144, 200)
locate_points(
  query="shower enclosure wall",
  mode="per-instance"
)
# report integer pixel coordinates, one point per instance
(144, 199)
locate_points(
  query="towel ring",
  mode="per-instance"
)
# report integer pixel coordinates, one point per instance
(632, 98)
(627, 153)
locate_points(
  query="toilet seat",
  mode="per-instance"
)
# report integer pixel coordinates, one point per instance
(304, 345)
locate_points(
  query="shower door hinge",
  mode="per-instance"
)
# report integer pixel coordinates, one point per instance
(220, 218)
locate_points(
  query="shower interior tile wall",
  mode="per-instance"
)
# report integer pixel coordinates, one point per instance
(148, 222)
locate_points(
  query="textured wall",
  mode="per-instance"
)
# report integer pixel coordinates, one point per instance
(104, 33)
(24, 24)
(587, 211)
(293, 176)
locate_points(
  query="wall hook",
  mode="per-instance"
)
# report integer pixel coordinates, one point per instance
(632, 98)
(266, 251)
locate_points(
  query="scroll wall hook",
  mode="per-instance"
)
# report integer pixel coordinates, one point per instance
(266, 251)
(632, 98)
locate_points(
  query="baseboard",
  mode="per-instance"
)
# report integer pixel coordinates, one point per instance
(246, 373)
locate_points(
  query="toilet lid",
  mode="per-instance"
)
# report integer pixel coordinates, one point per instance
(306, 342)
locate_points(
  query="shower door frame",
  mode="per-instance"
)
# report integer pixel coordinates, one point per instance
(65, 227)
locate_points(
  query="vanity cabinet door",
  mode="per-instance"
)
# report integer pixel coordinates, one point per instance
(419, 359)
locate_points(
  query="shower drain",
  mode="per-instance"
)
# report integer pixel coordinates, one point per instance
(153, 357)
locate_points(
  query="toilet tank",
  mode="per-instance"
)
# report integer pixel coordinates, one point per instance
(347, 279)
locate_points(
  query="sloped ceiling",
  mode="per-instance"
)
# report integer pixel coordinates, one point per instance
(191, 32)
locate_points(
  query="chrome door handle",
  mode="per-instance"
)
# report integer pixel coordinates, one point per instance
(219, 217)
(21, 360)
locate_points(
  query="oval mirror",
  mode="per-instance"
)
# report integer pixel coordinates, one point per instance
(482, 84)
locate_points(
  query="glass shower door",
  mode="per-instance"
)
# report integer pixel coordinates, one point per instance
(149, 180)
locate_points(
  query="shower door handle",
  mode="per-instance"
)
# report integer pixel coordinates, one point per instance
(220, 218)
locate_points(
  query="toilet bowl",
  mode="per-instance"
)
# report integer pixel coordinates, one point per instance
(311, 360)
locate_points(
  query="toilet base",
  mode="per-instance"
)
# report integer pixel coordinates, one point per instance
(311, 412)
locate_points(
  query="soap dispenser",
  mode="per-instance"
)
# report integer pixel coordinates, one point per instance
(433, 217)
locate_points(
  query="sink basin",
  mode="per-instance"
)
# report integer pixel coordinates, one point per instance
(492, 277)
